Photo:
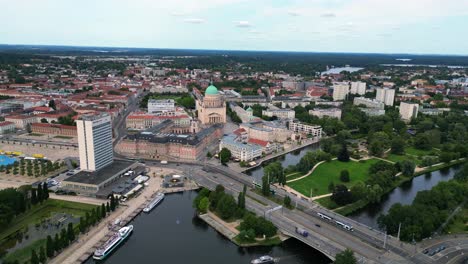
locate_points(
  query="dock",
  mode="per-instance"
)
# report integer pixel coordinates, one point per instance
(221, 228)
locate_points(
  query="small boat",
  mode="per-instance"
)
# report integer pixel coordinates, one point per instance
(263, 260)
(159, 197)
(115, 240)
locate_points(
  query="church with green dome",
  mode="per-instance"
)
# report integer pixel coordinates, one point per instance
(211, 108)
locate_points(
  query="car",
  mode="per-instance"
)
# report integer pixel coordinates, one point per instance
(442, 247)
(432, 253)
(425, 251)
(317, 225)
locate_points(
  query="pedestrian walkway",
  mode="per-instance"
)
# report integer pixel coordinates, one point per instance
(219, 225)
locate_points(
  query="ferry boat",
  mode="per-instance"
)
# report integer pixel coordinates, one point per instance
(116, 239)
(159, 197)
(263, 260)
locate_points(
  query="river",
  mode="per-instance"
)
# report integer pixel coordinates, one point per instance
(172, 233)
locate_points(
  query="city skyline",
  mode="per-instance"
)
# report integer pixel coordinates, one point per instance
(357, 26)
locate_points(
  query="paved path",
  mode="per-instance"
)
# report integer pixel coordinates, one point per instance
(308, 173)
(90, 240)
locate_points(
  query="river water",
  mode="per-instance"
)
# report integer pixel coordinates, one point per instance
(172, 233)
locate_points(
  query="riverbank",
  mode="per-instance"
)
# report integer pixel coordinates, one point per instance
(360, 204)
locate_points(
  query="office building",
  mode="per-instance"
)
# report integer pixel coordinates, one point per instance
(95, 141)
(369, 103)
(408, 110)
(385, 95)
(340, 91)
(161, 106)
(358, 88)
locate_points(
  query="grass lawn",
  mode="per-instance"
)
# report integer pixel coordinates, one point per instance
(63, 137)
(44, 210)
(459, 224)
(419, 152)
(328, 172)
(35, 134)
(396, 158)
(327, 203)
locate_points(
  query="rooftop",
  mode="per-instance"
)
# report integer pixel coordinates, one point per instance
(99, 176)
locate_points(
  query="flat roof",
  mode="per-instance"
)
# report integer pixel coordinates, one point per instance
(99, 176)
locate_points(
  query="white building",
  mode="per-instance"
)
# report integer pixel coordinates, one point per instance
(330, 112)
(385, 95)
(314, 130)
(95, 141)
(340, 91)
(280, 113)
(239, 150)
(408, 110)
(373, 111)
(358, 88)
(7, 127)
(369, 103)
(161, 106)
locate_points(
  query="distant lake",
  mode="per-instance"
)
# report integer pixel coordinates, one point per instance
(339, 70)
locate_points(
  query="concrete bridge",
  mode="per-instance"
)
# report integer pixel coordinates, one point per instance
(369, 245)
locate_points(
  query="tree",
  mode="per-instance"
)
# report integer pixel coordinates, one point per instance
(107, 207)
(398, 146)
(40, 197)
(33, 196)
(34, 258)
(70, 232)
(203, 205)
(344, 176)
(265, 186)
(57, 243)
(345, 257)
(341, 195)
(376, 148)
(103, 210)
(226, 207)
(64, 238)
(225, 155)
(45, 191)
(343, 155)
(407, 167)
(52, 104)
(49, 247)
(42, 255)
(43, 120)
(287, 201)
(331, 187)
(112, 203)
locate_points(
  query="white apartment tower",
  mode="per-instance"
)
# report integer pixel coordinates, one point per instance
(408, 110)
(385, 95)
(340, 91)
(358, 88)
(95, 141)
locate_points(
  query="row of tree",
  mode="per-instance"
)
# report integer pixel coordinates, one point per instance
(31, 168)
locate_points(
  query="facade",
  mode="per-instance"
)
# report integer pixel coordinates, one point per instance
(95, 141)
(239, 150)
(244, 115)
(142, 121)
(7, 127)
(161, 145)
(280, 113)
(322, 112)
(212, 107)
(21, 121)
(369, 103)
(373, 111)
(267, 131)
(385, 95)
(358, 88)
(408, 110)
(314, 130)
(340, 91)
(54, 129)
(161, 106)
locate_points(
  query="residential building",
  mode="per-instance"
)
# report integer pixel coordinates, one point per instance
(54, 129)
(340, 91)
(385, 95)
(239, 150)
(373, 111)
(280, 113)
(161, 106)
(369, 103)
(322, 112)
(314, 130)
(358, 88)
(212, 107)
(95, 141)
(408, 110)
(7, 127)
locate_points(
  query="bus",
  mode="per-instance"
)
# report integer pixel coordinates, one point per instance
(324, 216)
(343, 225)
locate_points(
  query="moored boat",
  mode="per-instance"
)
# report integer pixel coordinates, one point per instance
(116, 239)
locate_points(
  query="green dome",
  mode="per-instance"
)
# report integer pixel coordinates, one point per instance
(250, 109)
(211, 90)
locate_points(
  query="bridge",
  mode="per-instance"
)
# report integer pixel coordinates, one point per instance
(369, 245)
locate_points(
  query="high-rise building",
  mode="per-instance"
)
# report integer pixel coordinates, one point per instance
(340, 91)
(95, 141)
(408, 110)
(385, 95)
(358, 88)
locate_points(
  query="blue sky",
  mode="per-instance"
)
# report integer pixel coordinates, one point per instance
(387, 26)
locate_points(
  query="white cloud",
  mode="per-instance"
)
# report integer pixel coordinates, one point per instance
(243, 24)
(294, 13)
(256, 32)
(178, 13)
(328, 15)
(195, 20)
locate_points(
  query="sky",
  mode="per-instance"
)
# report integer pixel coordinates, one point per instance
(369, 26)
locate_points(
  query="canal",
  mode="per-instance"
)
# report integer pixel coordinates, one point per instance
(172, 233)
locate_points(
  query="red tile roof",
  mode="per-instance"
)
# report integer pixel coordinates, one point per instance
(258, 142)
